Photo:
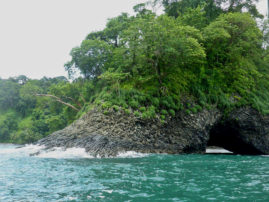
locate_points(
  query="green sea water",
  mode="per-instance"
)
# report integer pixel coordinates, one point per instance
(74, 176)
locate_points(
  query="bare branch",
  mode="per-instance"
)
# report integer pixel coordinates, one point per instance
(73, 100)
(58, 100)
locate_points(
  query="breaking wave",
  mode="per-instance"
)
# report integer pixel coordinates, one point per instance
(59, 152)
(15, 150)
(131, 154)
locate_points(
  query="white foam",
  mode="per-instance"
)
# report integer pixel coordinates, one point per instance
(131, 154)
(61, 153)
(20, 151)
(108, 191)
(72, 198)
(58, 152)
(41, 152)
(218, 151)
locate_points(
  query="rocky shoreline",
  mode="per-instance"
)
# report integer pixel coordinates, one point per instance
(244, 131)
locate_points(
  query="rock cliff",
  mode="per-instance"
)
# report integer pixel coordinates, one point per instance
(244, 131)
(107, 135)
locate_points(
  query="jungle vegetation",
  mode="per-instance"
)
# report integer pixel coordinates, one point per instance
(198, 54)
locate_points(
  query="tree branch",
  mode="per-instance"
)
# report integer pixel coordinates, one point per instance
(58, 100)
(73, 100)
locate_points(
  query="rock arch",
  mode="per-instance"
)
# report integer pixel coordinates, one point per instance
(244, 131)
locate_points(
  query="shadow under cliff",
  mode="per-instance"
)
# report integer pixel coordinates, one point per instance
(245, 131)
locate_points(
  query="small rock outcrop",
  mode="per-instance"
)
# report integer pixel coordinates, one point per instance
(107, 135)
(244, 131)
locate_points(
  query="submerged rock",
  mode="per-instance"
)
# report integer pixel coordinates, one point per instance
(107, 135)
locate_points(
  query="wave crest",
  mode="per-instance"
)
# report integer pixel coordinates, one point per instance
(58, 152)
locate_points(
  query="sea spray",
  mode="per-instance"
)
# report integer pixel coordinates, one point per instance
(59, 152)
(18, 150)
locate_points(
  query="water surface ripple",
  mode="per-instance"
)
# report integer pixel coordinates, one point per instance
(141, 178)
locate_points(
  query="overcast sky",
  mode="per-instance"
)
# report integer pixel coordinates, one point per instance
(36, 36)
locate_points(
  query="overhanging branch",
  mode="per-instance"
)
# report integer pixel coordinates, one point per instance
(58, 100)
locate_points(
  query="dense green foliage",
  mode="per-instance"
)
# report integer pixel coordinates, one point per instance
(198, 54)
(27, 117)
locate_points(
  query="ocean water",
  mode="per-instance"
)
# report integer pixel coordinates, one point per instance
(73, 175)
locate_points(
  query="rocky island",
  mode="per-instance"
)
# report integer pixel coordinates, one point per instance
(195, 76)
(244, 131)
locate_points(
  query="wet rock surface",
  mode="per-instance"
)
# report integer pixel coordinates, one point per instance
(244, 131)
(107, 135)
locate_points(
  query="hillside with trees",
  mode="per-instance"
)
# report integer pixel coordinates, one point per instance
(198, 54)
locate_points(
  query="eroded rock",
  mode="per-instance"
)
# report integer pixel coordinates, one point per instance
(107, 135)
(244, 131)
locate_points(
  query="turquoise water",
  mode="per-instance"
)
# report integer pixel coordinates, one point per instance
(133, 178)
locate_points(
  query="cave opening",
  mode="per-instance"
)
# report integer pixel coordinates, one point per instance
(225, 135)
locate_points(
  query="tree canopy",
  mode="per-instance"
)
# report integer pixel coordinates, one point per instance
(198, 54)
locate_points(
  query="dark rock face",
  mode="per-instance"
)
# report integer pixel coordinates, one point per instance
(107, 135)
(244, 131)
